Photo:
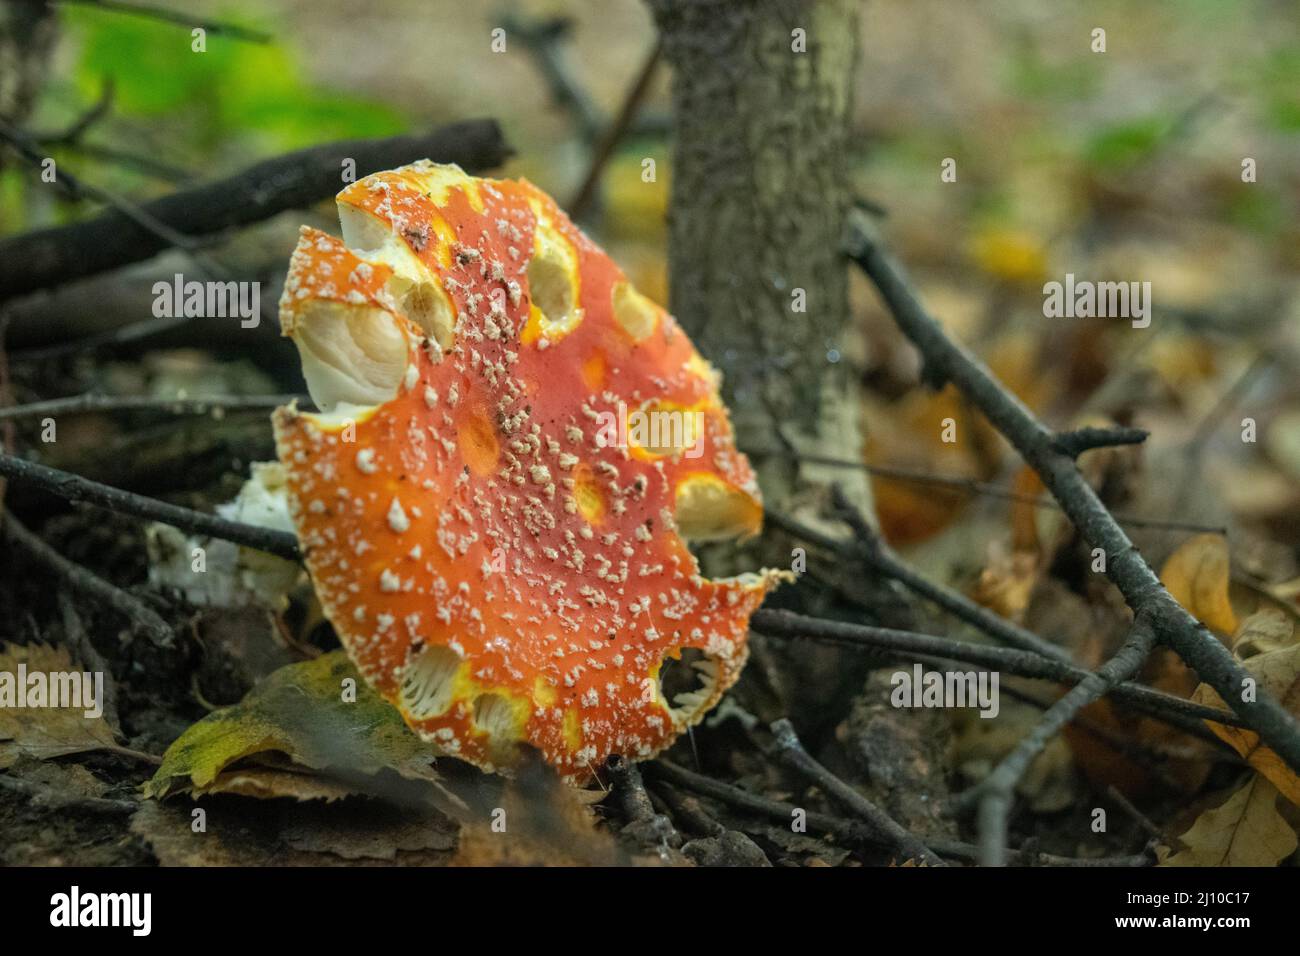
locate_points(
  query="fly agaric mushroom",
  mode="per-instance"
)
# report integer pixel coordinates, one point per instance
(501, 562)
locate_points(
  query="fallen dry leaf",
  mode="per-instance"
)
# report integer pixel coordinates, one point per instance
(1277, 673)
(280, 833)
(1013, 255)
(1268, 629)
(1246, 830)
(296, 722)
(1007, 582)
(1197, 576)
(42, 731)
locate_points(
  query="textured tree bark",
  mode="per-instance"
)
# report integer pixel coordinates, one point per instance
(27, 35)
(761, 97)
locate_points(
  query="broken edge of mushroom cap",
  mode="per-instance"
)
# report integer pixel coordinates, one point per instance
(496, 567)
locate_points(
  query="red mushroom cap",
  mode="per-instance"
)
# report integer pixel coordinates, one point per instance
(513, 447)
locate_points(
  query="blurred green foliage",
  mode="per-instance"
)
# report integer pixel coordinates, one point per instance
(200, 111)
(1122, 144)
(232, 89)
(1279, 84)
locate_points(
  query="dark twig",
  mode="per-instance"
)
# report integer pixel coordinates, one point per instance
(1004, 659)
(1143, 820)
(49, 257)
(853, 832)
(686, 808)
(135, 215)
(543, 38)
(1125, 567)
(1235, 392)
(76, 488)
(614, 132)
(203, 405)
(72, 134)
(973, 486)
(1149, 756)
(882, 559)
(129, 335)
(141, 163)
(142, 619)
(791, 752)
(84, 650)
(965, 609)
(997, 790)
(652, 829)
(1075, 443)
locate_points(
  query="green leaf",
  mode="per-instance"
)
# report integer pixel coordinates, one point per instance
(1127, 143)
(230, 89)
(293, 723)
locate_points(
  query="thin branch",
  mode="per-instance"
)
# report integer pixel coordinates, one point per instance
(83, 649)
(790, 750)
(1150, 757)
(134, 214)
(143, 620)
(543, 38)
(878, 556)
(75, 488)
(179, 18)
(851, 831)
(50, 257)
(783, 623)
(973, 486)
(72, 134)
(650, 828)
(615, 131)
(997, 790)
(1143, 820)
(141, 163)
(687, 809)
(1235, 392)
(92, 402)
(1125, 567)
(72, 137)
(1075, 443)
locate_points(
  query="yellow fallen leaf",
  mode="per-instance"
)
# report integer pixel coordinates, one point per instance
(303, 718)
(1247, 830)
(1278, 673)
(1012, 255)
(1197, 577)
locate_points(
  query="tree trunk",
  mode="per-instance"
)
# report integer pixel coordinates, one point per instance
(761, 98)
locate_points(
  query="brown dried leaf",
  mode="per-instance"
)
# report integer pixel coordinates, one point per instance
(1278, 673)
(1247, 830)
(46, 732)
